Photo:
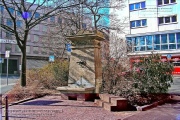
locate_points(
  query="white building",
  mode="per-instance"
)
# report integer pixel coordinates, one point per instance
(154, 27)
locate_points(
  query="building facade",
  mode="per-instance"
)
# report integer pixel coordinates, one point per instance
(38, 47)
(155, 27)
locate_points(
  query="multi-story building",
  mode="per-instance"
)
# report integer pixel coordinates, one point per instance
(38, 49)
(155, 27)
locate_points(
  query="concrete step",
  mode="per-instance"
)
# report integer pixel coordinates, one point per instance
(99, 102)
(118, 101)
(111, 102)
(109, 106)
(107, 97)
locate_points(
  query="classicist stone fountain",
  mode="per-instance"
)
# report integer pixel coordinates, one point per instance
(85, 69)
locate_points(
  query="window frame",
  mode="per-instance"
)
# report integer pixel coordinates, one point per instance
(10, 21)
(53, 19)
(36, 15)
(155, 42)
(163, 2)
(140, 6)
(1, 8)
(12, 12)
(141, 23)
(164, 19)
(19, 21)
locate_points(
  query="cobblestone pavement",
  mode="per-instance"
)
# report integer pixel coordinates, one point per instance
(52, 107)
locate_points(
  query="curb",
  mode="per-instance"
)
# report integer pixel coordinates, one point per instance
(153, 105)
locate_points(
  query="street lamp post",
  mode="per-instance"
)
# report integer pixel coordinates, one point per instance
(7, 53)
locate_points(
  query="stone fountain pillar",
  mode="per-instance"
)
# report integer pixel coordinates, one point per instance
(85, 70)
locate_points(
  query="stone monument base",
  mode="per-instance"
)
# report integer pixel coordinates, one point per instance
(78, 93)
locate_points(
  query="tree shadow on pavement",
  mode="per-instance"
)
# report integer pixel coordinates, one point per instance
(41, 102)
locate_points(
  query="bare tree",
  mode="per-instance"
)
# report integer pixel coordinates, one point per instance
(115, 64)
(30, 21)
(99, 10)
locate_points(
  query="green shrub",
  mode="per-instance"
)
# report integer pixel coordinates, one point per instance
(144, 84)
(52, 75)
(153, 75)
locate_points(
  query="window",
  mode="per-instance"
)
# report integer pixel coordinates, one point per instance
(174, 18)
(170, 41)
(28, 49)
(44, 28)
(137, 6)
(161, 20)
(168, 19)
(138, 23)
(142, 40)
(172, 46)
(8, 47)
(19, 23)
(36, 15)
(172, 38)
(164, 47)
(17, 49)
(52, 19)
(173, 1)
(11, 10)
(133, 24)
(165, 2)
(1, 9)
(164, 38)
(156, 47)
(36, 27)
(9, 22)
(131, 7)
(143, 4)
(178, 37)
(157, 39)
(149, 39)
(84, 25)
(144, 22)
(8, 35)
(136, 40)
(160, 2)
(18, 13)
(35, 50)
(29, 37)
(36, 38)
(59, 20)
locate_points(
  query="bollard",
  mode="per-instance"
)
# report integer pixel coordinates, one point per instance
(6, 108)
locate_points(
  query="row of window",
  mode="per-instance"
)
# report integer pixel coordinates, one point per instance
(142, 5)
(19, 23)
(34, 49)
(35, 38)
(138, 23)
(161, 21)
(165, 2)
(28, 14)
(137, 6)
(155, 42)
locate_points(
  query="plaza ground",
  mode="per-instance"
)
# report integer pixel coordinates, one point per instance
(53, 107)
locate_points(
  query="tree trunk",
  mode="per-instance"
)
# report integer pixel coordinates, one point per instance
(23, 68)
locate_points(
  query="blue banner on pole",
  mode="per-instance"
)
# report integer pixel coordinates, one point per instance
(68, 47)
(51, 58)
